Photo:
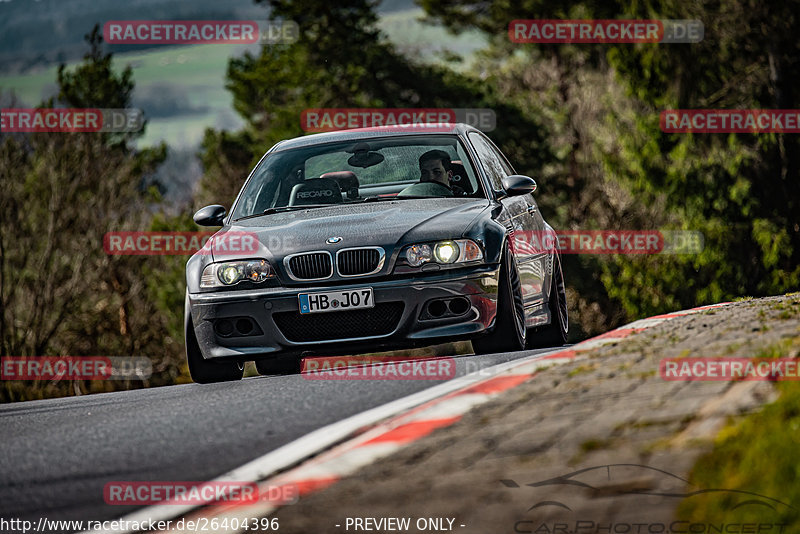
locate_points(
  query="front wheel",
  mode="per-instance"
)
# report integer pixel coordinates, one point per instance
(555, 333)
(208, 371)
(509, 332)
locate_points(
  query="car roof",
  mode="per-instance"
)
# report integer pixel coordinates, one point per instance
(359, 134)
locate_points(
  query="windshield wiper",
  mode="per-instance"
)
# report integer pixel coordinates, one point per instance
(404, 197)
(279, 209)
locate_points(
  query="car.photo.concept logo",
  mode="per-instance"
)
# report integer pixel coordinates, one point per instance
(556, 503)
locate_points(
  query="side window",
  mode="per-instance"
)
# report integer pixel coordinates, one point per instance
(492, 163)
(503, 161)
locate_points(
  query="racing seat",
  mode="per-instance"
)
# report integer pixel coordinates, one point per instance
(316, 191)
(460, 181)
(348, 183)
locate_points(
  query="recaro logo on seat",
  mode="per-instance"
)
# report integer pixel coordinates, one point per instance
(312, 194)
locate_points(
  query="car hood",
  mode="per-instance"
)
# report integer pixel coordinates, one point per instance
(384, 224)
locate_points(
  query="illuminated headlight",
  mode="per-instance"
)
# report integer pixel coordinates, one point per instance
(232, 272)
(444, 252)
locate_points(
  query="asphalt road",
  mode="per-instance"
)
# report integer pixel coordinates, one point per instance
(56, 455)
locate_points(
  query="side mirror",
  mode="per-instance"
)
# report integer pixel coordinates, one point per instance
(517, 184)
(210, 215)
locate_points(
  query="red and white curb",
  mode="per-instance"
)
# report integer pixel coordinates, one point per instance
(379, 432)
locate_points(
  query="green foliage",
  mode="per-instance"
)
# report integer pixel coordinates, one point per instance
(94, 83)
(62, 295)
(582, 119)
(741, 190)
(166, 277)
(340, 60)
(753, 456)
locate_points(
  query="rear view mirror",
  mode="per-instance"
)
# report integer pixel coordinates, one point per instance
(210, 215)
(518, 184)
(363, 157)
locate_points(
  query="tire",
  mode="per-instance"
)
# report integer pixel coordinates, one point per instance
(208, 371)
(555, 333)
(509, 334)
(278, 366)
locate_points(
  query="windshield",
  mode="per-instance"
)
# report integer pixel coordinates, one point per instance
(358, 171)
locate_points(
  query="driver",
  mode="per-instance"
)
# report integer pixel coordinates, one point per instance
(434, 166)
(435, 172)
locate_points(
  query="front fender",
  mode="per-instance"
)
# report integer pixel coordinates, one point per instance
(492, 235)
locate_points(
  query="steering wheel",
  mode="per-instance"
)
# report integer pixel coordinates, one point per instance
(426, 189)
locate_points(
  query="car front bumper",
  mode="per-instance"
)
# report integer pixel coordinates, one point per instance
(400, 317)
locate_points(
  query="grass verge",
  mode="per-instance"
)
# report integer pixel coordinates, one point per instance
(754, 463)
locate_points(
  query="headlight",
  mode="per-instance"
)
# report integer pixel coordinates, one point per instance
(470, 251)
(416, 255)
(443, 252)
(446, 252)
(232, 272)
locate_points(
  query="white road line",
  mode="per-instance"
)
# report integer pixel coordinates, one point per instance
(318, 440)
(293, 453)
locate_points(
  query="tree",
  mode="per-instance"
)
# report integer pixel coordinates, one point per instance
(61, 294)
(340, 60)
(617, 169)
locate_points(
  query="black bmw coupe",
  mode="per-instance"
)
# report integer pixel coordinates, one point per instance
(378, 238)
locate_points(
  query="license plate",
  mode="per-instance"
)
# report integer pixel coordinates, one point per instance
(351, 299)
